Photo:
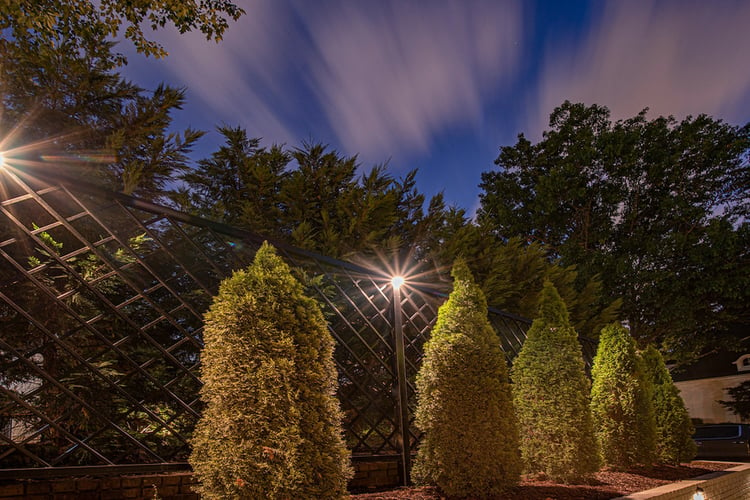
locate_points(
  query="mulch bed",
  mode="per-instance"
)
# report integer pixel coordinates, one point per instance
(604, 486)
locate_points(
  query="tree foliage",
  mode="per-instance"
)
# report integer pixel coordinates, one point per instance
(551, 396)
(674, 429)
(740, 402)
(78, 23)
(621, 403)
(271, 426)
(65, 106)
(470, 445)
(657, 208)
(310, 197)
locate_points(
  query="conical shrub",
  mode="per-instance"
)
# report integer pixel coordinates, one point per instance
(674, 429)
(271, 427)
(470, 445)
(621, 401)
(551, 397)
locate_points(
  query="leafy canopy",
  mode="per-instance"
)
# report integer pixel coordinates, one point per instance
(656, 208)
(77, 22)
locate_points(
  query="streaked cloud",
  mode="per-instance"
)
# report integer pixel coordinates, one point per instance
(674, 57)
(377, 78)
(392, 75)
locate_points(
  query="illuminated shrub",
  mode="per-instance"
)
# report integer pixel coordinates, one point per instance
(551, 397)
(621, 401)
(470, 446)
(271, 425)
(674, 429)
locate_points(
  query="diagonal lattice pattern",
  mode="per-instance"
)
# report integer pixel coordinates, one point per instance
(101, 304)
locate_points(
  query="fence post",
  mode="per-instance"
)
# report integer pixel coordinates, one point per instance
(403, 400)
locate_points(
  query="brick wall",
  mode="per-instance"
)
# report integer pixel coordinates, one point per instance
(169, 486)
(375, 475)
(177, 486)
(731, 484)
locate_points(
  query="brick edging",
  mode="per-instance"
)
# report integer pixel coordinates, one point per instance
(729, 484)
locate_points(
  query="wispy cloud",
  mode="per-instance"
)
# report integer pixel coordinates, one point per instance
(674, 57)
(377, 78)
(391, 76)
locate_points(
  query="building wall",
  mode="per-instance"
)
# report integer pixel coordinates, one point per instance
(701, 397)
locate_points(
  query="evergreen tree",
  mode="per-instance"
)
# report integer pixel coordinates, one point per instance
(271, 426)
(470, 446)
(674, 429)
(551, 396)
(621, 401)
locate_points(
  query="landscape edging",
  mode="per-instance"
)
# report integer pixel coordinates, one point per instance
(730, 484)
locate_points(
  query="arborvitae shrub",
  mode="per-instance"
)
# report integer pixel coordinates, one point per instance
(621, 401)
(470, 446)
(271, 427)
(674, 429)
(551, 396)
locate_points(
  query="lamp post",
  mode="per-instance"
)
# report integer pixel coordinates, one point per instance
(403, 401)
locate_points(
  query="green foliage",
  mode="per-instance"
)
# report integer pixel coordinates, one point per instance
(740, 402)
(621, 404)
(551, 396)
(657, 208)
(78, 22)
(271, 426)
(674, 429)
(470, 446)
(320, 205)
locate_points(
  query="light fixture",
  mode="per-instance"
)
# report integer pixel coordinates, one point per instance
(397, 281)
(2, 160)
(699, 494)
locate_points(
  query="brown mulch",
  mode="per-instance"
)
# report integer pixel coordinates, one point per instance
(604, 486)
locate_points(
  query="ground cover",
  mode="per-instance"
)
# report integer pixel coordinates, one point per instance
(604, 486)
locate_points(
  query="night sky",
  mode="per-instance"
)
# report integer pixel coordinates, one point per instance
(442, 85)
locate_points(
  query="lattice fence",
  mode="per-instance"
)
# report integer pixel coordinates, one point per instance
(101, 303)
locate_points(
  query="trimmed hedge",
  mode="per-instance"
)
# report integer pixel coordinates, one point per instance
(621, 401)
(470, 446)
(271, 424)
(674, 429)
(551, 397)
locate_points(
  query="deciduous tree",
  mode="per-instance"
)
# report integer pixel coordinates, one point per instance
(657, 208)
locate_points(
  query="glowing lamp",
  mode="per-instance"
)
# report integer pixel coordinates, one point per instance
(397, 281)
(699, 494)
(2, 160)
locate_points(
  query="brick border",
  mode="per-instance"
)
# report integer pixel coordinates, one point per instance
(368, 476)
(177, 486)
(730, 484)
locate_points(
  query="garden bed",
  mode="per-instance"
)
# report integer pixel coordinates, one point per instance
(604, 486)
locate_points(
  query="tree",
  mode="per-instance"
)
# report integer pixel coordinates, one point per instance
(75, 23)
(674, 429)
(657, 208)
(66, 108)
(470, 445)
(271, 426)
(740, 402)
(319, 205)
(551, 396)
(621, 405)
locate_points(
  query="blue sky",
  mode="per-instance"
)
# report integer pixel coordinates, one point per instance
(442, 85)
